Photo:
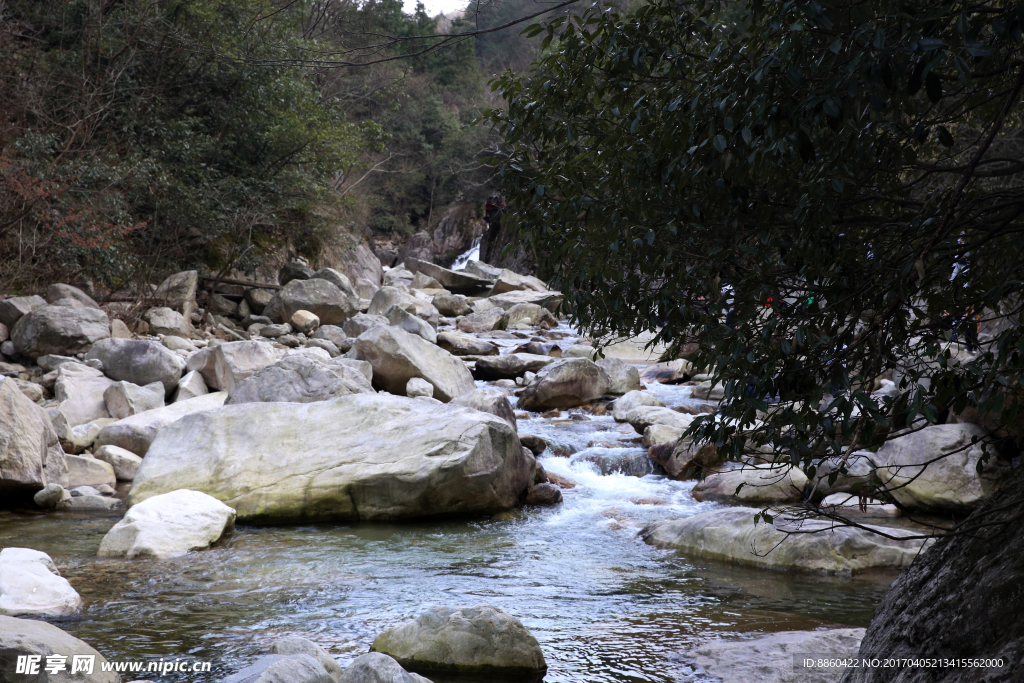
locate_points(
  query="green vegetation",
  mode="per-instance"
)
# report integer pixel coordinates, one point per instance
(815, 194)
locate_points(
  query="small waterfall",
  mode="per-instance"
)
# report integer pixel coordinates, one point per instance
(471, 254)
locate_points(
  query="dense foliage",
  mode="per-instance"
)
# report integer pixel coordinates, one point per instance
(133, 141)
(815, 193)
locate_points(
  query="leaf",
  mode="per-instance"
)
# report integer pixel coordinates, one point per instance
(933, 86)
(720, 143)
(945, 137)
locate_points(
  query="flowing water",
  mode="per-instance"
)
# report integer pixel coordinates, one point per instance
(604, 605)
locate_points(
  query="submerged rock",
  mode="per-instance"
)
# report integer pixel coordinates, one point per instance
(364, 456)
(300, 646)
(168, 525)
(300, 668)
(481, 639)
(375, 667)
(730, 535)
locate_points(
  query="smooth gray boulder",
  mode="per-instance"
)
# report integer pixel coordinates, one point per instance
(300, 378)
(511, 281)
(417, 388)
(224, 365)
(472, 640)
(669, 372)
(164, 320)
(774, 657)
(481, 321)
(282, 668)
(457, 281)
(936, 469)
(544, 494)
(397, 357)
(730, 535)
(50, 496)
(488, 400)
(357, 324)
(124, 463)
(30, 453)
(60, 291)
(403, 320)
(549, 300)
(375, 667)
(631, 400)
(481, 269)
(528, 315)
(339, 280)
(860, 471)
(386, 297)
(137, 432)
(300, 646)
(14, 307)
(642, 417)
(85, 470)
(139, 361)
(565, 383)
(79, 389)
(124, 399)
(294, 270)
(63, 330)
(321, 298)
(753, 484)
(178, 291)
(30, 585)
(332, 333)
(363, 456)
(450, 305)
(622, 378)
(33, 638)
(190, 385)
(511, 365)
(168, 525)
(459, 344)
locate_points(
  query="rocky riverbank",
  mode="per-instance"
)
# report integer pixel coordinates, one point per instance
(428, 394)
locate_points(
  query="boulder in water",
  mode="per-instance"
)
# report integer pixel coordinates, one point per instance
(622, 378)
(30, 585)
(32, 638)
(630, 400)
(397, 357)
(375, 667)
(300, 646)
(565, 383)
(460, 344)
(753, 484)
(510, 366)
(137, 432)
(282, 668)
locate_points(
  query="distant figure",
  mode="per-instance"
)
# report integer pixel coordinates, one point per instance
(495, 207)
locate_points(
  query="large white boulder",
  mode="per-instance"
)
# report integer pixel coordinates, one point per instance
(85, 470)
(622, 378)
(80, 389)
(404, 320)
(293, 645)
(565, 383)
(756, 484)
(473, 640)
(318, 296)
(179, 291)
(191, 385)
(165, 320)
(528, 315)
(300, 378)
(30, 454)
(386, 297)
(363, 456)
(64, 330)
(488, 400)
(137, 432)
(376, 667)
(33, 638)
(30, 585)
(397, 357)
(936, 469)
(225, 364)
(730, 535)
(642, 417)
(631, 400)
(139, 361)
(510, 281)
(124, 399)
(124, 462)
(168, 525)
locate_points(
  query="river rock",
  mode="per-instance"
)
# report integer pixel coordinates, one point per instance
(258, 299)
(659, 435)
(481, 321)
(30, 585)
(358, 324)
(772, 658)
(190, 386)
(175, 343)
(321, 298)
(633, 399)
(682, 459)
(226, 364)
(730, 535)
(417, 388)
(510, 281)
(50, 496)
(425, 282)
(549, 300)
(218, 304)
(168, 525)
(364, 456)
(481, 639)
(300, 646)
(59, 291)
(580, 351)
(450, 305)
(627, 461)
(333, 333)
(339, 280)
(166, 320)
(275, 331)
(670, 372)
(178, 291)
(530, 315)
(951, 483)
(80, 389)
(137, 432)
(33, 392)
(299, 668)
(564, 383)
(849, 504)
(642, 417)
(860, 471)
(32, 638)
(622, 378)
(14, 307)
(85, 470)
(490, 401)
(124, 399)
(374, 667)
(536, 444)
(304, 322)
(510, 366)
(712, 392)
(59, 329)
(544, 494)
(386, 297)
(457, 281)
(403, 320)
(300, 378)
(124, 462)
(397, 357)
(459, 344)
(757, 484)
